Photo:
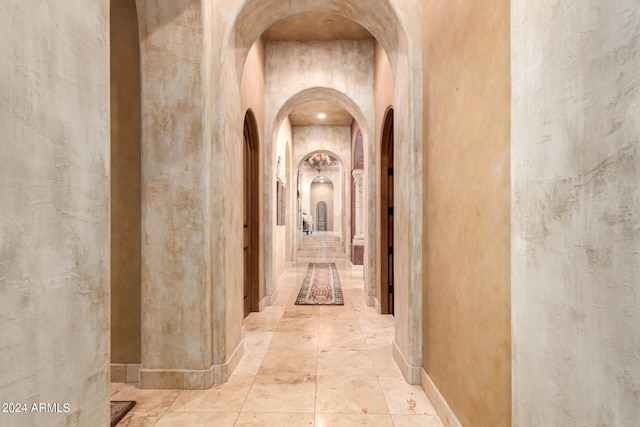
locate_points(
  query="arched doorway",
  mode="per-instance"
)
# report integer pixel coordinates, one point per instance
(300, 195)
(323, 204)
(386, 215)
(250, 213)
(397, 40)
(328, 185)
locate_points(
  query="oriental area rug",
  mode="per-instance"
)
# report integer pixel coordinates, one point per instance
(321, 286)
(119, 409)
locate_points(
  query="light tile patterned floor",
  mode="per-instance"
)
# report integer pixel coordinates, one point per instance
(328, 366)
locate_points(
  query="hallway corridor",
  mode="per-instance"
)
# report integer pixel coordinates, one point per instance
(316, 366)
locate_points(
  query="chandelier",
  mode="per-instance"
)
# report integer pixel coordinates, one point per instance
(319, 161)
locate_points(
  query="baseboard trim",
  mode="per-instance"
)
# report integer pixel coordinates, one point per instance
(411, 373)
(440, 404)
(222, 372)
(271, 299)
(368, 299)
(176, 379)
(191, 379)
(125, 373)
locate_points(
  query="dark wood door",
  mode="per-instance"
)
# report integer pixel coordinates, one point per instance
(386, 196)
(390, 281)
(250, 211)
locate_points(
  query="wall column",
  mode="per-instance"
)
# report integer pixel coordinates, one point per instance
(357, 252)
(177, 341)
(575, 167)
(54, 214)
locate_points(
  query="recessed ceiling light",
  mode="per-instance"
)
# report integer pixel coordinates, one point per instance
(322, 115)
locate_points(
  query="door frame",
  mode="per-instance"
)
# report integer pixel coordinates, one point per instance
(251, 137)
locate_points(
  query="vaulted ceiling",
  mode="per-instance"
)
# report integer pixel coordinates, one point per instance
(321, 25)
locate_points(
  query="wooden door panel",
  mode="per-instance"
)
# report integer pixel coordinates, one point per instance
(387, 213)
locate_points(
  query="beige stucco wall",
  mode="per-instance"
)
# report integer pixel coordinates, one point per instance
(125, 184)
(466, 311)
(54, 221)
(308, 139)
(576, 213)
(342, 65)
(383, 100)
(177, 331)
(252, 98)
(282, 246)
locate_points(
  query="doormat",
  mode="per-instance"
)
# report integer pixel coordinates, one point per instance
(119, 409)
(321, 286)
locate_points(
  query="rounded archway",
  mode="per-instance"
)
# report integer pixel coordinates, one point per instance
(322, 183)
(322, 204)
(399, 39)
(341, 224)
(197, 78)
(320, 94)
(255, 16)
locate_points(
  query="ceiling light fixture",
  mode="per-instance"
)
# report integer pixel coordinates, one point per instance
(319, 161)
(322, 115)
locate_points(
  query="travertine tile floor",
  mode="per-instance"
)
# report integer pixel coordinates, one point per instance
(328, 366)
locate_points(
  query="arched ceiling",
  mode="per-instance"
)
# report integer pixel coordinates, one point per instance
(317, 25)
(307, 114)
(322, 96)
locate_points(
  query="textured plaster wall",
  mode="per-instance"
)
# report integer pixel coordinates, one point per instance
(308, 139)
(284, 140)
(466, 311)
(252, 97)
(54, 221)
(177, 274)
(383, 97)
(357, 162)
(343, 65)
(576, 213)
(125, 183)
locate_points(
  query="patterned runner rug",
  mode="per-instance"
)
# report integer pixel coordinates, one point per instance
(321, 286)
(119, 409)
